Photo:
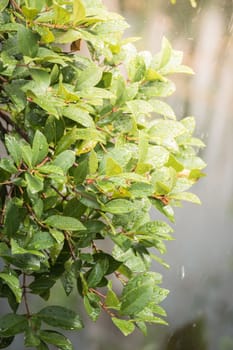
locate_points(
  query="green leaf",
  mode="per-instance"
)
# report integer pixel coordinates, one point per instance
(166, 52)
(186, 196)
(3, 5)
(31, 338)
(41, 285)
(8, 165)
(79, 115)
(92, 306)
(48, 103)
(137, 293)
(39, 148)
(112, 167)
(16, 94)
(41, 240)
(90, 76)
(163, 108)
(136, 69)
(64, 160)
(29, 13)
(96, 274)
(34, 183)
(157, 89)
(5, 341)
(27, 154)
(64, 223)
(79, 11)
(17, 250)
(14, 149)
(61, 317)
(27, 41)
(13, 284)
(66, 141)
(62, 16)
(125, 326)
(57, 339)
(13, 210)
(93, 162)
(111, 300)
(138, 107)
(119, 206)
(12, 324)
(157, 228)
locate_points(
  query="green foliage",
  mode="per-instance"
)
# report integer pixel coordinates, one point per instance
(90, 151)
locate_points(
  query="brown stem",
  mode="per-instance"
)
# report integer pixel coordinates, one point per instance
(58, 192)
(7, 117)
(92, 290)
(34, 216)
(71, 248)
(3, 79)
(105, 308)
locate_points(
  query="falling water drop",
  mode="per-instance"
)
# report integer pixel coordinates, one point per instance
(182, 272)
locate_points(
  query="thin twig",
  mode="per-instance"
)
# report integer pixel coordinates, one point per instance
(71, 248)
(58, 192)
(92, 290)
(34, 216)
(7, 117)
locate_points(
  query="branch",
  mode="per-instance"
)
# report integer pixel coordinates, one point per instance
(7, 117)
(15, 6)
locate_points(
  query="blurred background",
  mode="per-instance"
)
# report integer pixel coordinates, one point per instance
(200, 280)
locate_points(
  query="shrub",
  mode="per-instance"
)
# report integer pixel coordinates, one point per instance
(91, 148)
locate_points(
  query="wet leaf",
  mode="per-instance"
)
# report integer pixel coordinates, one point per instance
(118, 206)
(61, 317)
(125, 326)
(64, 223)
(13, 284)
(57, 339)
(137, 293)
(12, 324)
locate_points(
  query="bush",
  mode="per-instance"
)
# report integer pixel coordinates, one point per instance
(91, 148)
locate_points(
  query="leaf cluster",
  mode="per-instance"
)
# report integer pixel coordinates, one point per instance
(91, 148)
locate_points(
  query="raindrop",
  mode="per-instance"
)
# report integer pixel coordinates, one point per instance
(182, 272)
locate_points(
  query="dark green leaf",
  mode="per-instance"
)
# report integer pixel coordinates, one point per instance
(57, 339)
(11, 324)
(61, 317)
(41, 240)
(96, 274)
(5, 341)
(13, 210)
(39, 148)
(27, 41)
(64, 223)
